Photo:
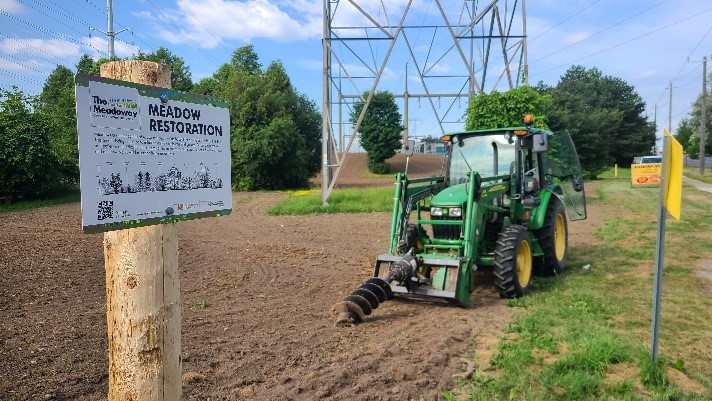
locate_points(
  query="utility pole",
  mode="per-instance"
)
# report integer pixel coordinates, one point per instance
(405, 108)
(110, 34)
(670, 110)
(703, 116)
(655, 122)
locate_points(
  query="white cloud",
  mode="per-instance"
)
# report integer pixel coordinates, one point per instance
(648, 74)
(575, 37)
(10, 6)
(99, 47)
(11, 65)
(42, 47)
(209, 22)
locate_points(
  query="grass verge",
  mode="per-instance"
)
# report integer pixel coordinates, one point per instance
(348, 200)
(585, 335)
(67, 196)
(694, 173)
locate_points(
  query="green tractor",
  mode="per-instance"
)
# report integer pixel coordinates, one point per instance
(503, 202)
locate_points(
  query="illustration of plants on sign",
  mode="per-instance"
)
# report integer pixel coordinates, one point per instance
(172, 180)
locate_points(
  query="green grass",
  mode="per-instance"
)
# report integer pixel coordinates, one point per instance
(349, 200)
(621, 172)
(585, 335)
(694, 173)
(59, 198)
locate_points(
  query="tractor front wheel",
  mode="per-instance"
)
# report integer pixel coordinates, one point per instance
(553, 239)
(513, 262)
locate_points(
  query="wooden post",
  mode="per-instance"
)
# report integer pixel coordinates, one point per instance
(142, 289)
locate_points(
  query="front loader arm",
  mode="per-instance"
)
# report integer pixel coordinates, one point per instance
(405, 198)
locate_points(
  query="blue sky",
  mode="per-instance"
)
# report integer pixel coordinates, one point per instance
(645, 43)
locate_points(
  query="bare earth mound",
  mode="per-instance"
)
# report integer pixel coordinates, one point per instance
(355, 174)
(256, 291)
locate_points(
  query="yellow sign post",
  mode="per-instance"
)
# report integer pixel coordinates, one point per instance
(670, 199)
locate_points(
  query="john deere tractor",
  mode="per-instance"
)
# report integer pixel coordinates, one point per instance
(503, 202)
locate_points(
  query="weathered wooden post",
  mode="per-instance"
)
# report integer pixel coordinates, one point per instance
(142, 289)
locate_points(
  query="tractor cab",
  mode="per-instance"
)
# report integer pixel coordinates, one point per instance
(529, 160)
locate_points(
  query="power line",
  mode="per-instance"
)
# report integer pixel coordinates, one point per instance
(688, 58)
(627, 41)
(32, 47)
(103, 14)
(21, 77)
(195, 45)
(564, 20)
(601, 31)
(71, 16)
(48, 32)
(21, 65)
(185, 4)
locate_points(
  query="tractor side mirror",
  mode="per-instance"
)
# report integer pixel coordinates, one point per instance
(578, 183)
(409, 147)
(540, 142)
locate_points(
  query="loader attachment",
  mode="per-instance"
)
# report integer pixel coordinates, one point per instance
(442, 283)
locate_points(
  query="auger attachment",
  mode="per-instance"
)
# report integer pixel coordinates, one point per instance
(355, 307)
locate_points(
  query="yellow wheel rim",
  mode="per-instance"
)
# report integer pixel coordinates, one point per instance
(524, 263)
(560, 237)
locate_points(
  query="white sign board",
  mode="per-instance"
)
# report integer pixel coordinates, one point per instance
(150, 155)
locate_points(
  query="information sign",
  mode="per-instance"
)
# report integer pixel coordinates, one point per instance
(150, 155)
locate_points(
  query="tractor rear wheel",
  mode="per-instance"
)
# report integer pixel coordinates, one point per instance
(553, 240)
(513, 262)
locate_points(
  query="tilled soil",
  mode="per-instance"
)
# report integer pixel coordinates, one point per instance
(256, 294)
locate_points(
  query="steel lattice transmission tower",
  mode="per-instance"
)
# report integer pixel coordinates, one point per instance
(437, 53)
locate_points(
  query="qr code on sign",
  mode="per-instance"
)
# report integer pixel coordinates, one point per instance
(106, 210)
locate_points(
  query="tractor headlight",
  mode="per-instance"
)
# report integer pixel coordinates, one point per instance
(446, 211)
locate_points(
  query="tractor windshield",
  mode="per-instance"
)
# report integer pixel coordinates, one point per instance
(489, 155)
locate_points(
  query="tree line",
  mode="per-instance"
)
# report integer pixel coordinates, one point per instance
(604, 115)
(276, 131)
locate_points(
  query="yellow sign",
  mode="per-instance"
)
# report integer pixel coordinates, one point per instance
(645, 174)
(672, 199)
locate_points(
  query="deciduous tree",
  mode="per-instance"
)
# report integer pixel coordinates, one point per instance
(507, 109)
(275, 131)
(604, 115)
(58, 106)
(381, 129)
(28, 167)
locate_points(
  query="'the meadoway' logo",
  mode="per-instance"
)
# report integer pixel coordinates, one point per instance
(118, 108)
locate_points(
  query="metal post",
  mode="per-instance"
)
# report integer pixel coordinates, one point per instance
(670, 110)
(326, 111)
(110, 28)
(660, 249)
(525, 61)
(405, 108)
(110, 34)
(703, 116)
(341, 119)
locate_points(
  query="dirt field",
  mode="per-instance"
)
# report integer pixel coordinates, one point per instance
(256, 293)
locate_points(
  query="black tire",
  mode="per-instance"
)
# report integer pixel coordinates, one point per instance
(513, 262)
(553, 238)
